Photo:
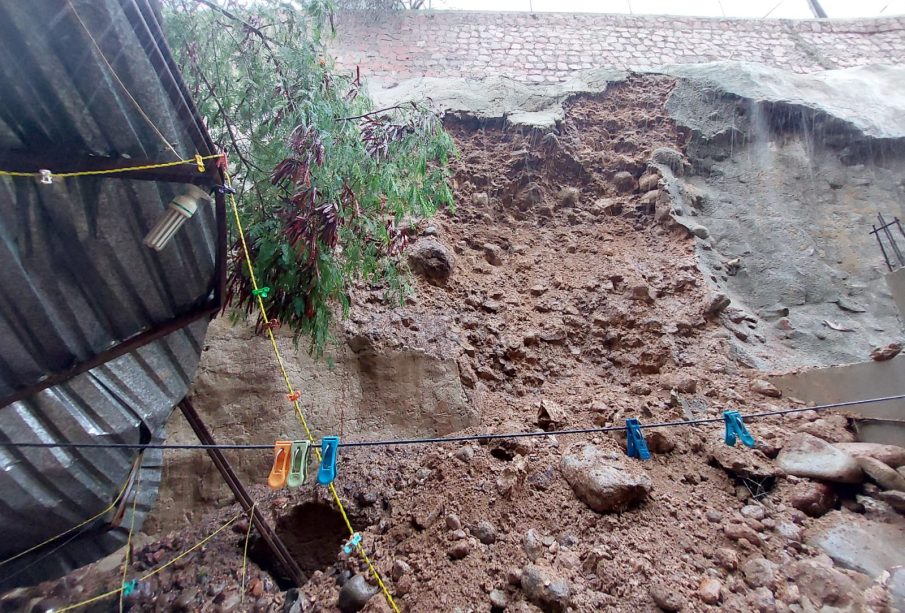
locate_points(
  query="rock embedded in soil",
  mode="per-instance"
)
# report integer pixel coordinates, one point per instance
(649, 181)
(666, 597)
(493, 254)
(892, 455)
(716, 303)
(765, 388)
(759, 572)
(550, 415)
(859, 544)
(741, 462)
(813, 497)
(545, 588)
(568, 197)
(895, 499)
(355, 594)
(432, 259)
(823, 585)
(670, 158)
(498, 599)
(710, 590)
(886, 352)
(624, 182)
(806, 455)
(882, 474)
(532, 544)
(484, 531)
(459, 550)
(603, 481)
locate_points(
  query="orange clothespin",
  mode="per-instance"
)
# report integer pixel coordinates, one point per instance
(294, 396)
(273, 324)
(223, 161)
(281, 462)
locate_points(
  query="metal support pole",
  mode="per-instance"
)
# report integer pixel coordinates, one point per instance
(232, 480)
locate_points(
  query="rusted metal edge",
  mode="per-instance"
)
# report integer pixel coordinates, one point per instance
(270, 537)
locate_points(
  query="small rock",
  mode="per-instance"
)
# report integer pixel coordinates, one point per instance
(763, 600)
(545, 588)
(624, 182)
(713, 516)
(459, 550)
(812, 497)
(400, 568)
(568, 197)
(892, 455)
(493, 254)
(806, 455)
(542, 479)
(607, 206)
(642, 293)
(710, 590)
(716, 303)
(354, 594)
(498, 599)
(753, 511)
(660, 441)
(665, 598)
(736, 532)
(538, 290)
(453, 522)
(432, 259)
(894, 499)
(882, 474)
(532, 544)
(680, 382)
(822, 584)
(765, 388)
(480, 199)
(464, 454)
(670, 158)
(726, 558)
(550, 415)
(484, 531)
(886, 352)
(649, 181)
(603, 481)
(759, 572)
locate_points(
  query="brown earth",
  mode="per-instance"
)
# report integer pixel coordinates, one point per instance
(574, 296)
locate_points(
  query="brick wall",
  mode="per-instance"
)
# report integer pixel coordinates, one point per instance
(547, 47)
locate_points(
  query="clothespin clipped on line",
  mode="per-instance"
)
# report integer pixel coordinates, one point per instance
(129, 587)
(261, 291)
(294, 396)
(735, 428)
(298, 463)
(350, 546)
(45, 176)
(200, 162)
(329, 450)
(281, 462)
(636, 446)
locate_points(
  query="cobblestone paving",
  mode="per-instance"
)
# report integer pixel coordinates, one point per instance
(547, 47)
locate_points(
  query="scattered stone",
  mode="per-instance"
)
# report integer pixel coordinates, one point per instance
(742, 462)
(532, 544)
(727, 558)
(760, 386)
(753, 511)
(882, 474)
(459, 550)
(737, 532)
(424, 518)
(484, 531)
(649, 181)
(550, 415)
(624, 182)
(464, 454)
(538, 290)
(493, 254)
(453, 522)
(686, 384)
(812, 497)
(716, 303)
(432, 259)
(806, 455)
(859, 544)
(710, 590)
(545, 589)
(498, 599)
(568, 197)
(894, 499)
(763, 600)
(642, 293)
(665, 598)
(608, 206)
(892, 455)
(713, 516)
(603, 481)
(399, 569)
(660, 441)
(670, 158)
(542, 479)
(759, 572)
(789, 531)
(355, 594)
(886, 352)
(821, 584)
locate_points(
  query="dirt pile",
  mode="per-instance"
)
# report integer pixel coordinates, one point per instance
(573, 300)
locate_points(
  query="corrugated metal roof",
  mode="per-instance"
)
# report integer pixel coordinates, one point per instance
(76, 278)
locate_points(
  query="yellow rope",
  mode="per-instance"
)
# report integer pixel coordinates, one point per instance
(128, 555)
(156, 570)
(251, 513)
(121, 84)
(295, 402)
(89, 173)
(72, 529)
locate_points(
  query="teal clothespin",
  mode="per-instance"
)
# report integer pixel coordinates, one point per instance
(298, 463)
(261, 291)
(636, 446)
(329, 450)
(735, 428)
(129, 587)
(352, 544)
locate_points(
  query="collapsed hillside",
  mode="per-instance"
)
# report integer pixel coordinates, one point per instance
(561, 294)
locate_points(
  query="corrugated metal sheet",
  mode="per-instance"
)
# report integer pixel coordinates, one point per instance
(77, 280)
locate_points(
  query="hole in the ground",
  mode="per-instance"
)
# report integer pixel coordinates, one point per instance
(502, 454)
(314, 533)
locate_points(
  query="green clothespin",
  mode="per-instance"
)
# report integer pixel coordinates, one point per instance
(261, 291)
(298, 466)
(129, 587)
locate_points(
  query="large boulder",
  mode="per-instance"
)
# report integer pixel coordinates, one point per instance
(859, 544)
(806, 455)
(603, 480)
(823, 585)
(893, 455)
(432, 259)
(882, 474)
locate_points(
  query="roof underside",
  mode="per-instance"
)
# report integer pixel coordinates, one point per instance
(77, 279)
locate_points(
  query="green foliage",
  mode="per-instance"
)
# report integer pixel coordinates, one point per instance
(328, 187)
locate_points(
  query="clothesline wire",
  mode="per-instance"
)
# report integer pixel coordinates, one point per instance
(464, 437)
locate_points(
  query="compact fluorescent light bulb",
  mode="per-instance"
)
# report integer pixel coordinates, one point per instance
(178, 210)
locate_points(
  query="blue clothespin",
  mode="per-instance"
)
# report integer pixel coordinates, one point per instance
(735, 427)
(329, 449)
(129, 587)
(352, 544)
(636, 445)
